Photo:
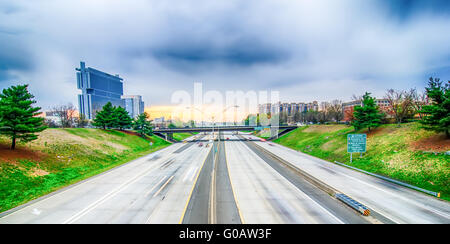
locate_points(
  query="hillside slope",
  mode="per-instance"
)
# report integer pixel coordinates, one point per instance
(406, 152)
(63, 156)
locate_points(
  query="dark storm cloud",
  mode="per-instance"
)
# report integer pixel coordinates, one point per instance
(188, 55)
(13, 57)
(242, 53)
(409, 8)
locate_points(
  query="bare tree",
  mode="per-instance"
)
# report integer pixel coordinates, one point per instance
(335, 110)
(81, 121)
(357, 97)
(66, 114)
(400, 104)
(419, 100)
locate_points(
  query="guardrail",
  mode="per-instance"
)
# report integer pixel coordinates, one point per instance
(436, 194)
(353, 204)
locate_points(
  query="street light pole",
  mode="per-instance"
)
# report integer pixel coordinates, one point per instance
(214, 140)
(233, 106)
(201, 111)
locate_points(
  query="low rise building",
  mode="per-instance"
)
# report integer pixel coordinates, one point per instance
(349, 107)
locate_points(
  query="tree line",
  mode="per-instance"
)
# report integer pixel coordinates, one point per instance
(431, 108)
(112, 117)
(21, 121)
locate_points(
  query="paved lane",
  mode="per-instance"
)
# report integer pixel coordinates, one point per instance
(151, 189)
(264, 196)
(226, 209)
(397, 203)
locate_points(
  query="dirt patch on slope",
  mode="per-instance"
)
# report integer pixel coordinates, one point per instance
(8, 155)
(437, 143)
(38, 172)
(380, 130)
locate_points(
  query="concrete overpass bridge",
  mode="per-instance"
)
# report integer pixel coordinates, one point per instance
(275, 130)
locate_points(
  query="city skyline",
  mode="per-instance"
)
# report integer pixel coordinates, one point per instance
(333, 52)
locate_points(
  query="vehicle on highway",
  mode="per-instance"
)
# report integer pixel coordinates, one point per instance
(263, 140)
(200, 144)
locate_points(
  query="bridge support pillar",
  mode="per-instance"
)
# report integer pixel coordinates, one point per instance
(169, 136)
(274, 132)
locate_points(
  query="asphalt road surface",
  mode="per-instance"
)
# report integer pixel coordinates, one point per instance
(230, 181)
(397, 204)
(152, 189)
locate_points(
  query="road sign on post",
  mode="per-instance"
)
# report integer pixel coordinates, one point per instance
(356, 143)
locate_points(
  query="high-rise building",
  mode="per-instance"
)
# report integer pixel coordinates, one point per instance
(98, 88)
(133, 105)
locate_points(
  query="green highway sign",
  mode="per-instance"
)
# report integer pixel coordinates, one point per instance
(356, 143)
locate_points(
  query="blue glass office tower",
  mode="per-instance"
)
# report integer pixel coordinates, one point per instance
(98, 88)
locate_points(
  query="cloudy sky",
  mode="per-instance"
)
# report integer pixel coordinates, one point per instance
(306, 50)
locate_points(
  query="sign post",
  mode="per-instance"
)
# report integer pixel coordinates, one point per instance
(356, 143)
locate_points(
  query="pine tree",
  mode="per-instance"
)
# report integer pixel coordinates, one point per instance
(142, 125)
(105, 118)
(124, 121)
(17, 117)
(437, 114)
(368, 115)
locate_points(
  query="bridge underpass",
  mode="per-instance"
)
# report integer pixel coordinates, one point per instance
(276, 131)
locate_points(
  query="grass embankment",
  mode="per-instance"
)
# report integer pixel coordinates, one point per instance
(182, 136)
(64, 156)
(406, 152)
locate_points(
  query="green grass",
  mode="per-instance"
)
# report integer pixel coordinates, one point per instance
(182, 136)
(389, 153)
(70, 155)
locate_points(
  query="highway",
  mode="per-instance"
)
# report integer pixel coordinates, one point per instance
(235, 181)
(152, 189)
(395, 204)
(265, 196)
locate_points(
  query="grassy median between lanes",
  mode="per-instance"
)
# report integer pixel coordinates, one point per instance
(61, 157)
(404, 152)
